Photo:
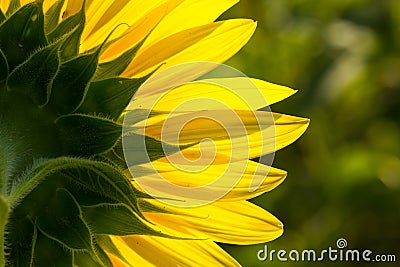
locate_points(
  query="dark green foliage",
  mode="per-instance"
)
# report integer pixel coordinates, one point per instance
(74, 24)
(20, 253)
(33, 77)
(22, 33)
(74, 201)
(85, 135)
(110, 97)
(3, 66)
(69, 86)
(118, 219)
(2, 16)
(117, 66)
(136, 144)
(61, 221)
(50, 253)
(52, 16)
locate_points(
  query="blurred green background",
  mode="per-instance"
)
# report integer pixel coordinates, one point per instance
(344, 174)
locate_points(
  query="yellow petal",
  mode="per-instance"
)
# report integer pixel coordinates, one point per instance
(73, 6)
(116, 262)
(234, 180)
(102, 22)
(215, 42)
(189, 14)
(236, 133)
(99, 10)
(239, 222)
(4, 5)
(233, 93)
(272, 93)
(156, 251)
(47, 4)
(139, 27)
(176, 16)
(129, 254)
(287, 130)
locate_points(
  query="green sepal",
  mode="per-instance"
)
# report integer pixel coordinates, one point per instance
(110, 97)
(134, 149)
(84, 135)
(52, 16)
(157, 149)
(82, 259)
(2, 16)
(85, 259)
(3, 66)
(84, 193)
(70, 47)
(112, 158)
(67, 25)
(116, 220)
(74, 24)
(146, 206)
(34, 176)
(115, 156)
(100, 178)
(13, 6)
(33, 77)
(99, 259)
(69, 86)
(50, 253)
(61, 221)
(22, 33)
(104, 180)
(133, 116)
(117, 66)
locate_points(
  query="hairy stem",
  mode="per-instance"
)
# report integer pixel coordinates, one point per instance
(3, 222)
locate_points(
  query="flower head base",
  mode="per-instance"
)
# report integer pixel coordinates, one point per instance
(68, 71)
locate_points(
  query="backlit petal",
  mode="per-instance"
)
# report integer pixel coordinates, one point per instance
(239, 180)
(236, 93)
(214, 42)
(170, 252)
(248, 134)
(239, 222)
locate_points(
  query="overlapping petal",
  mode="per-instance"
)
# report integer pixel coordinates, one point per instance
(241, 179)
(215, 42)
(154, 251)
(251, 134)
(238, 222)
(240, 93)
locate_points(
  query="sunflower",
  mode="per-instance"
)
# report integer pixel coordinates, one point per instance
(89, 177)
